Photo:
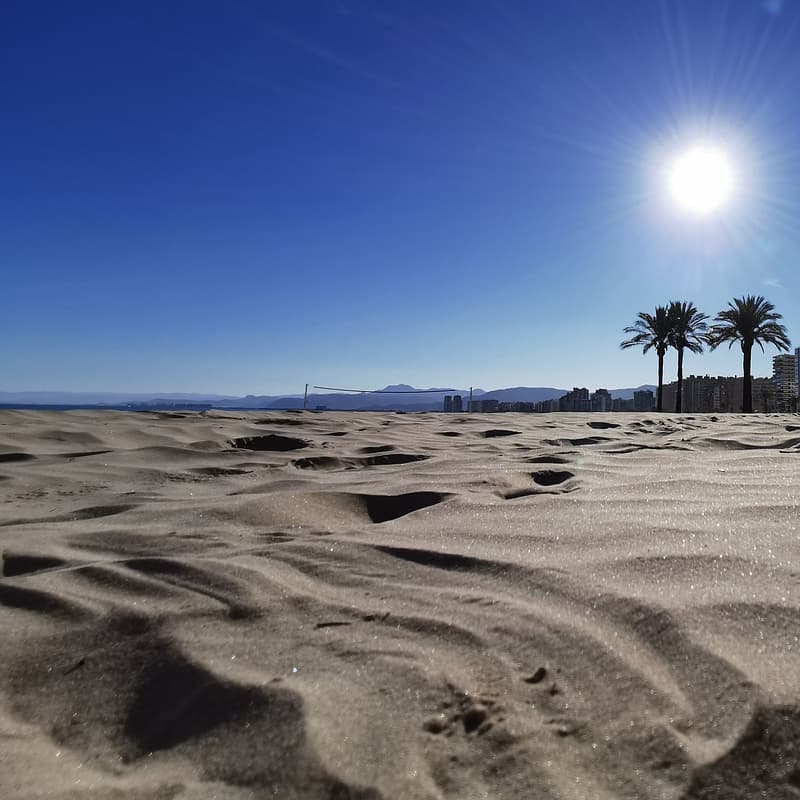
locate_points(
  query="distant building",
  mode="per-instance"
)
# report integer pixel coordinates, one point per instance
(784, 376)
(764, 395)
(797, 368)
(723, 394)
(705, 394)
(576, 400)
(622, 404)
(601, 400)
(486, 406)
(643, 400)
(701, 394)
(545, 406)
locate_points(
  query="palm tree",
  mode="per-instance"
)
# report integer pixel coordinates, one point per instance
(651, 331)
(688, 331)
(748, 320)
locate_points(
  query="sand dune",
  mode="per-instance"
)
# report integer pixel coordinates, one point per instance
(344, 605)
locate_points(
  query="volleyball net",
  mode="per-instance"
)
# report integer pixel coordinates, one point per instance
(340, 390)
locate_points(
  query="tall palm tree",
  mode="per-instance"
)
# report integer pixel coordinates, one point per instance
(748, 320)
(688, 331)
(651, 331)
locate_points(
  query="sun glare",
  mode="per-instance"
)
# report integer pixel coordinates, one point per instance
(701, 180)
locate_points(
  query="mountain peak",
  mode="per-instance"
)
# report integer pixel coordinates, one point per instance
(398, 387)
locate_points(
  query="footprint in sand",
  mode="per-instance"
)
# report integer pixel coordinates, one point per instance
(464, 713)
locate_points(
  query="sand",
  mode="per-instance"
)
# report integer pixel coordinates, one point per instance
(407, 606)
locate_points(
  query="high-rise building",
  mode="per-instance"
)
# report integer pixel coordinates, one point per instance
(764, 398)
(797, 368)
(601, 400)
(457, 403)
(643, 400)
(448, 403)
(546, 406)
(703, 394)
(576, 400)
(784, 375)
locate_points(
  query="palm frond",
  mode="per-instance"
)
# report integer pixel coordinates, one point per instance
(648, 331)
(749, 320)
(688, 326)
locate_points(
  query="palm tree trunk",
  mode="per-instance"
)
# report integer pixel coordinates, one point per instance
(660, 392)
(747, 384)
(679, 393)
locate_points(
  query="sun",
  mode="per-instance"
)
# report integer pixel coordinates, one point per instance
(701, 180)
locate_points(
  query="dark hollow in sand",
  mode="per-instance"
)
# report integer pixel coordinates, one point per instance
(25, 563)
(382, 508)
(272, 441)
(318, 462)
(551, 477)
(547, 460)
(8, 457)
(392, 458)
(219, 472)
(432, 558)
(178, 701)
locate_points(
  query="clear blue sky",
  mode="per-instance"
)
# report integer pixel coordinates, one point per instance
(247, 196)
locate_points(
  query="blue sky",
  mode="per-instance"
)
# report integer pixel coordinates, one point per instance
(242, 197)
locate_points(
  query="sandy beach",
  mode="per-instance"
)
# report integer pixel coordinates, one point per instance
(416, 606)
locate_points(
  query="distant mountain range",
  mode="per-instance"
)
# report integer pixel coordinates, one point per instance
(401, 397)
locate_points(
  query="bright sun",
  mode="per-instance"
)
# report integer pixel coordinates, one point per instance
(701, 180)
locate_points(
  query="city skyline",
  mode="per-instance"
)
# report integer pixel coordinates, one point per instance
(245, 199)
